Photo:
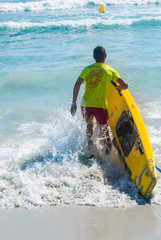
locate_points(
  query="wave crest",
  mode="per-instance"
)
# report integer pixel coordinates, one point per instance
(67, 4)
(83, 24)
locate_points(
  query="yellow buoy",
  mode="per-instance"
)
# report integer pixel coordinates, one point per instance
(102, 9)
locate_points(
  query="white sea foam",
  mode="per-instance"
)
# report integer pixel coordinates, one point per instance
(41, 5)
(154, 110)
(66, 4)
(46, 164)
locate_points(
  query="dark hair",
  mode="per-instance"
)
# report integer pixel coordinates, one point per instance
(99, 53)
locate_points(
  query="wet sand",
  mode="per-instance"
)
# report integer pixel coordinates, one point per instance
(81, 223)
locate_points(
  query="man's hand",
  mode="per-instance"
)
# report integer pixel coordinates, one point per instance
(73, 108)
(75, 94)
(118, 87)
(122, 85)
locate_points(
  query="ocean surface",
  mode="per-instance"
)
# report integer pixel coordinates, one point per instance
(44, 46)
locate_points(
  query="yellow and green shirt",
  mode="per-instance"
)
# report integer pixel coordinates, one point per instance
(97, 78)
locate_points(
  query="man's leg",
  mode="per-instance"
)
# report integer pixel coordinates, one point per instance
(88, 116)
(89, 132)
(105, 138)
(102, 117)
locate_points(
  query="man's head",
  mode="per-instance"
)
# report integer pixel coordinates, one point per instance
(99, 54)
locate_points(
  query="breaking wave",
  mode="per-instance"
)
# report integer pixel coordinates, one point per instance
(79, 24)
(48, 5)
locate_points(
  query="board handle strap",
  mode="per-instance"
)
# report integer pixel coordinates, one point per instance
(120, 93)
(159, 170)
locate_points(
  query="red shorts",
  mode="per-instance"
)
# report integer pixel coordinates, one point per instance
(100, 114)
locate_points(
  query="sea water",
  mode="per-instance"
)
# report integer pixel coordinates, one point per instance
(44, 46)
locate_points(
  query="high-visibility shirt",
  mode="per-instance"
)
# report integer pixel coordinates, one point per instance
(97, 78)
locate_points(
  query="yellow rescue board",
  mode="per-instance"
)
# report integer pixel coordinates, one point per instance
(131, 139)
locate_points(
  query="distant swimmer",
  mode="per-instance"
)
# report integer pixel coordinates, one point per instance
(96, 77)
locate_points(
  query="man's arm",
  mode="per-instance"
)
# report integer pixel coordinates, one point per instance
(122, 85)
(75, 95)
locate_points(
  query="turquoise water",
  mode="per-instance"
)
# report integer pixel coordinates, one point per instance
(44, 46)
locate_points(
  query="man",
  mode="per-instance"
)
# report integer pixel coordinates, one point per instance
(97, 78)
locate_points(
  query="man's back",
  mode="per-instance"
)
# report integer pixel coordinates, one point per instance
(97, 78)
